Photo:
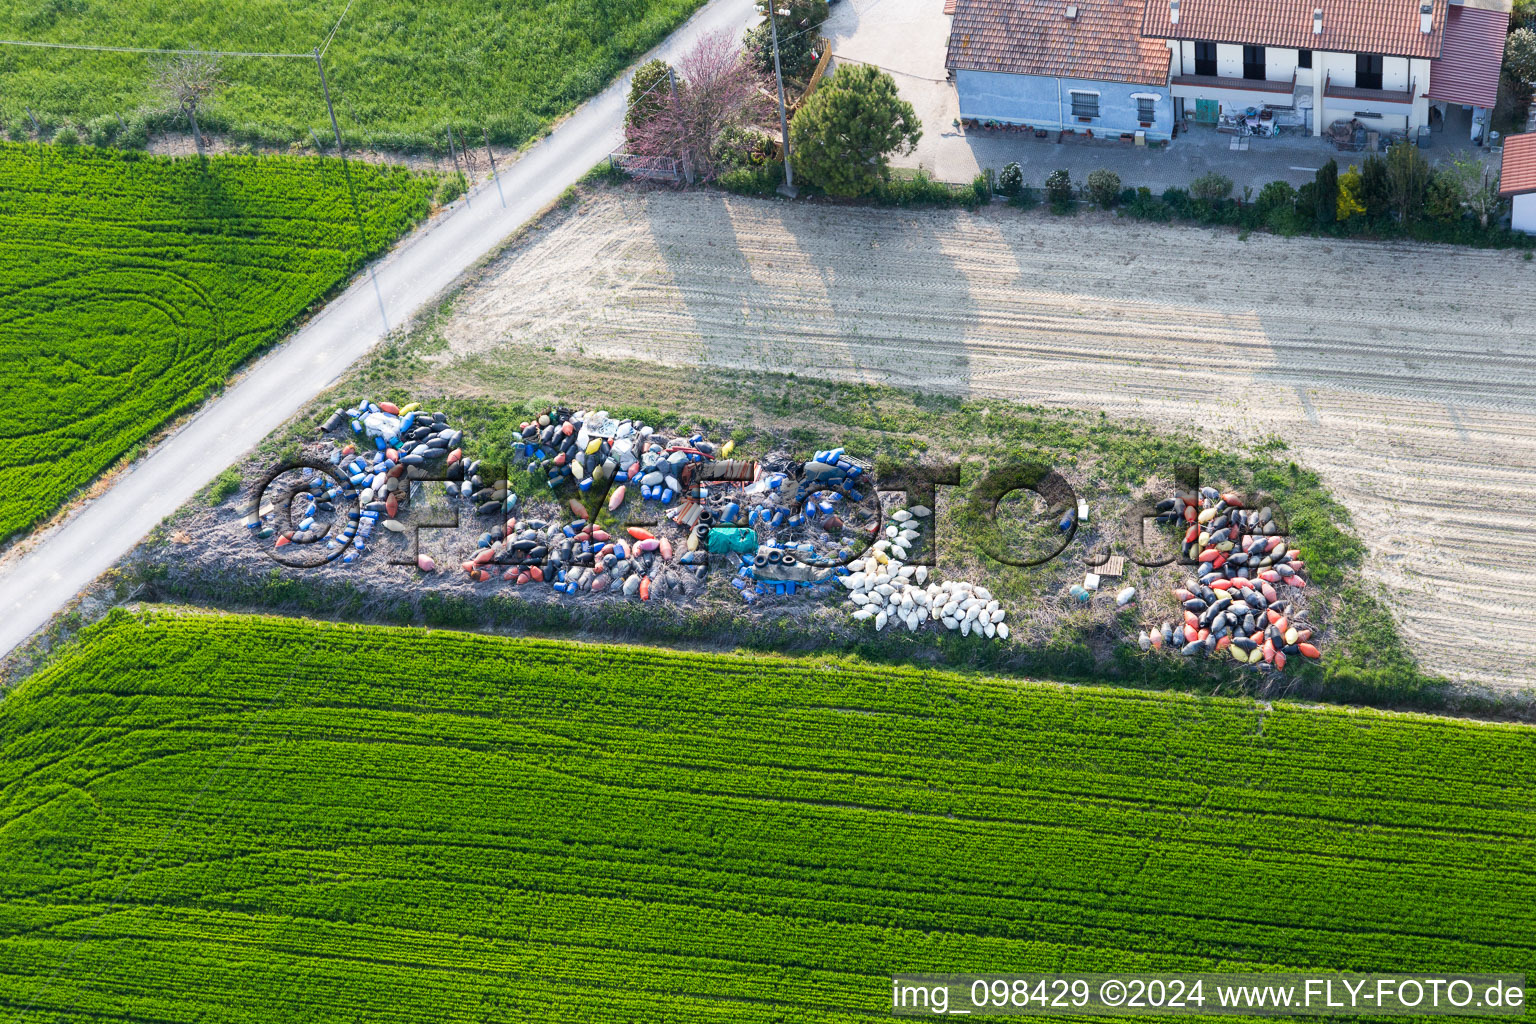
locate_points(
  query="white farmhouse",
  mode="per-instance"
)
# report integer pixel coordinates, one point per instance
(1371, 60)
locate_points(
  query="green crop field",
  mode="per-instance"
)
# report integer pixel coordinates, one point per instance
(399, 71)
(134, 286)
(256, 819)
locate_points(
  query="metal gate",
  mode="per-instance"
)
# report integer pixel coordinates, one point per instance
(1207, 111)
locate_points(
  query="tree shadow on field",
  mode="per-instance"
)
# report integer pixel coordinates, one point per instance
(845, 293)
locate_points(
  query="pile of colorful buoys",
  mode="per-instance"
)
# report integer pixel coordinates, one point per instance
(884, 589)
(402, 439)
(1234, 603)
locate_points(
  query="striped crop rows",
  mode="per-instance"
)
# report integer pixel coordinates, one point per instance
(133, 286)
(254, 819)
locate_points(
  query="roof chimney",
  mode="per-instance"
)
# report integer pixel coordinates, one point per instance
(1071, 11)
(1173, 12)
(1426, 17)
(1317, 21)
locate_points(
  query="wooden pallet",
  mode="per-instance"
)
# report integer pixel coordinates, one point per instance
(1114, 567)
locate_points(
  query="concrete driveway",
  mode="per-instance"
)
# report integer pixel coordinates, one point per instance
(908, 38)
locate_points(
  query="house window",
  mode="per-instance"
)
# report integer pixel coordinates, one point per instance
(1304, 58)
(1146, 111)
(1253, 62)
(1367, 71)
(1085, 104)
(1205, 59)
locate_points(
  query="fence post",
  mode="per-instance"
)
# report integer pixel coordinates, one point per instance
(492, 156)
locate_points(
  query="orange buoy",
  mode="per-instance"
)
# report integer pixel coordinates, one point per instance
(579, 510)
(1309, 650)
(455, 455)
(1280, 660)
(537, 572)
(666, 552)
(640, 533)
(283, 539)
(389, 407)
(645, 588)
(482, 556)
(1223, 643)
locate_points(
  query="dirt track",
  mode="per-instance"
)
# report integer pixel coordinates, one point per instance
(1403, 374)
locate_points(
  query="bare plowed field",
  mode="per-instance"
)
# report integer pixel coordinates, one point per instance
(1402, 373)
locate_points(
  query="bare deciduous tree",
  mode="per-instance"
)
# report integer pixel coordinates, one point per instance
(716, 89)
(189, 80)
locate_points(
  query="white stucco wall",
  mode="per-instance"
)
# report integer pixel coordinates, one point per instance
(1524, 217)
(1279, 63)
(1340, 67)
(1229, 60)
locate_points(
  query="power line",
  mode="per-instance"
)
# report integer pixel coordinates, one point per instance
(143, 49)
(334, 27)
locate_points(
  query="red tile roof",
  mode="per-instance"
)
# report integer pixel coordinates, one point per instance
(949, 6)
(1467, 70)
(1519, 169)
(1035, 37)
(1349, 26)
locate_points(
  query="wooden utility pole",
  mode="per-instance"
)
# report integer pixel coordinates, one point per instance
(326, 87)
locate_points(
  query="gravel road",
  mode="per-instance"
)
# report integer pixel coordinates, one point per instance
(1402, 373)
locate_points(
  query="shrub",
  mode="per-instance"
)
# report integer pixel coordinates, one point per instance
(1443, 196)
(1349, 202)
(738, 146)
(983, 185)
(1407, 180)
(1058, 188)
(1520, 56)
(1325, 193)
(451, 188)
(102, 131)
(1103, 187)
(66, 136)
(1145, 206)
(1374, 189)
(1010, 181)
(1277, 195)
(1027, 199)
(1177, 200)
(752, 181)
(648, 90)
(1211, 187)
(920, 190)
(137, 134)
